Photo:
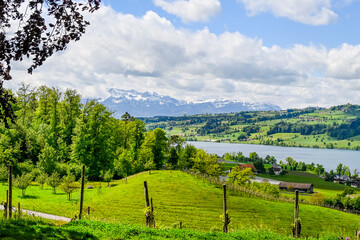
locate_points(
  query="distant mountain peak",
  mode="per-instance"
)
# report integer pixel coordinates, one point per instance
(147, 104)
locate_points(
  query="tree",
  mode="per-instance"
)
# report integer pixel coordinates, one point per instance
(54, 181)
(339, 169)
(157, 141)
(46, 26)
(187, 156)
(25, 96)
(206, 163)
(22, 182)
(48, 159)
(173, 158)
(69, 185)
(3, 173)
(271, 171)
(108, 176)
(93, 140)
(42, 178)
(319, 169)
(253, 156)
(240, 176)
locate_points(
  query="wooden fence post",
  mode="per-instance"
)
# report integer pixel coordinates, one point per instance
(226, 219)
(152, 213)
(297, 225)
(19, 210)
(149, 208)
(147, 205)
(88, 211)
(82, 190)
(6, 204)
(9, 200)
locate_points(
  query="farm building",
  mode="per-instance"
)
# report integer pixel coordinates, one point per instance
(341, 178)
(302, 187)
(277, 169)
(242, 165)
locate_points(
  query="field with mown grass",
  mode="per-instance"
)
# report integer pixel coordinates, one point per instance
(328, 189)
(93, 230)
(177, 197)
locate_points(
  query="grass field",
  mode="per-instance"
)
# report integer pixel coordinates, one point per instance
(197, 204)
(92, 230)
(328, 189)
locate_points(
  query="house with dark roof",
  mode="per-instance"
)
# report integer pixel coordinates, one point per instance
(341, 178)
(302, 187)
(277, 169)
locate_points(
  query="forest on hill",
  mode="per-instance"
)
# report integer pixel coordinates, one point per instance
(335, 127)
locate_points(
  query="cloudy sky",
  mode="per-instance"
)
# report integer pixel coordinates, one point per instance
(292, 53)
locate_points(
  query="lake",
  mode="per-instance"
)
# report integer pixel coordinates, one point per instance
(329, 158)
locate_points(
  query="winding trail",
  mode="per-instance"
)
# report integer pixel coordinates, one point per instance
(43, 215)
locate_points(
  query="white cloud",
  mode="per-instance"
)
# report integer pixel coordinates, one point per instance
(344, 63)
(191, 10)
(313, 12)
(150, 54)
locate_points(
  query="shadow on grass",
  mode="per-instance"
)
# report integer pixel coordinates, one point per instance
(28, 229)
(29, 197)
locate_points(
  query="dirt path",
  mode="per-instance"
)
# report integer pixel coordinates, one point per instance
(43, 215)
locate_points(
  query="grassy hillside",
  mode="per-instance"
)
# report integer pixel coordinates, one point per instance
(336, 127)
(37, 229)
(196, 203)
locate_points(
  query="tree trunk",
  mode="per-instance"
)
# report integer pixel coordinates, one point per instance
(54, 190)
(23, 192)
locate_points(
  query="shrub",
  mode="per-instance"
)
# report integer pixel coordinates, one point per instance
(317, 198)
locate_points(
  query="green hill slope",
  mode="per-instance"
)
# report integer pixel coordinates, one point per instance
(178, 196)
(336, 127)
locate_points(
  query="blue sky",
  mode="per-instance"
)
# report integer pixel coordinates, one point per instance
(293, 53)
(272, 30)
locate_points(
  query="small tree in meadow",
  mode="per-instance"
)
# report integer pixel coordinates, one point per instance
(108, 176)
(69, 185)
(42, 178)
(54, 181)
(22, 182)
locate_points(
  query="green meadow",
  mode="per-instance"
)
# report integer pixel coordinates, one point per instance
(179, 197)
(30, 228)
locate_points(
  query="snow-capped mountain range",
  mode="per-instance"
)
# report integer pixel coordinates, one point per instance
(146, 104)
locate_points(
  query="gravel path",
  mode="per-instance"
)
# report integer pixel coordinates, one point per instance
(257, 179)
(43, 215)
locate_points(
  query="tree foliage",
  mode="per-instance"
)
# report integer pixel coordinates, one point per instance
(69, 185)
(240, 176)
(22, 182)
(54, 181)
(36, 29)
